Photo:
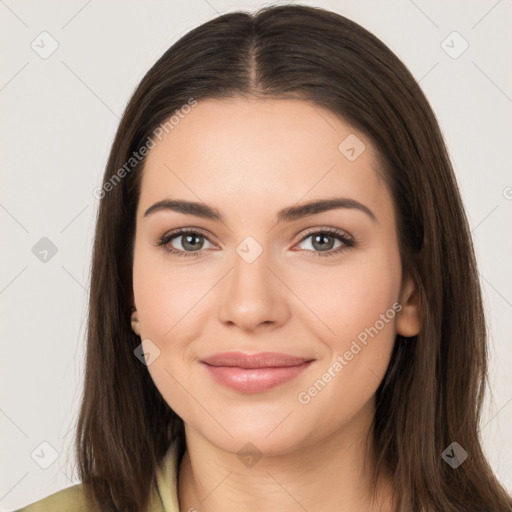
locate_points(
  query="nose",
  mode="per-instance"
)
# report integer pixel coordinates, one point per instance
(253, 294)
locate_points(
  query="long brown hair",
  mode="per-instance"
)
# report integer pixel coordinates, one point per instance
(432, 392)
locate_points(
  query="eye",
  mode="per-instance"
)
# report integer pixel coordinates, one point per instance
(191, 242)
(323, 242)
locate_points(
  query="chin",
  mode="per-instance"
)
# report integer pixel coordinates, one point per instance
(266, 437)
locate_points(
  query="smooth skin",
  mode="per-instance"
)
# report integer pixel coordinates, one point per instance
(250, 158)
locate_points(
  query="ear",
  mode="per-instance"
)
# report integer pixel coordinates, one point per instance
(408, 321)
(135, 321)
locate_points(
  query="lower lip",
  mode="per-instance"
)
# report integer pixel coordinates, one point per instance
(254, 380)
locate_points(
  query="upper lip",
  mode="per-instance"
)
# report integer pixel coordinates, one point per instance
(258, 360)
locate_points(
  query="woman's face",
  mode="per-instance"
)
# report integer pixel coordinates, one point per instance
(259, 274)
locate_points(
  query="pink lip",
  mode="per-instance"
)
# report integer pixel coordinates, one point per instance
(254, 373)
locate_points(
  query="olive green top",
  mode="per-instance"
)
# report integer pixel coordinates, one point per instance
(71, 499)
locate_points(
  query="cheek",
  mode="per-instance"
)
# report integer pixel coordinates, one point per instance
(345, 300)
(166, 296)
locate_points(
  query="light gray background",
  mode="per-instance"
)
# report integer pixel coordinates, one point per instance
(59, 116)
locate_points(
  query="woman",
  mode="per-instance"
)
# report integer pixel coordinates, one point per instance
(285, 311)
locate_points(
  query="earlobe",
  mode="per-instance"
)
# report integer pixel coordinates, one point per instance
(408, 321)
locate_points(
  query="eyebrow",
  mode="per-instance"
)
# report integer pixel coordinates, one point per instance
(288, 214)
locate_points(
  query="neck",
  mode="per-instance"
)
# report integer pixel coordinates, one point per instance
(331, 474)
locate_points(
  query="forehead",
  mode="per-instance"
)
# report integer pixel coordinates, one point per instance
(250, 150)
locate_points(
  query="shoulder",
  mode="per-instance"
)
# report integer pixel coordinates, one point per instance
(70, 499)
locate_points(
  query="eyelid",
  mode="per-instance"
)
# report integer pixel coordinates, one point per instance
(169, 236)
(304, 234)
(325, 229)
(190, 229)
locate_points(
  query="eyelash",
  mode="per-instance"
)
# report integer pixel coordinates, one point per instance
(336, 233)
